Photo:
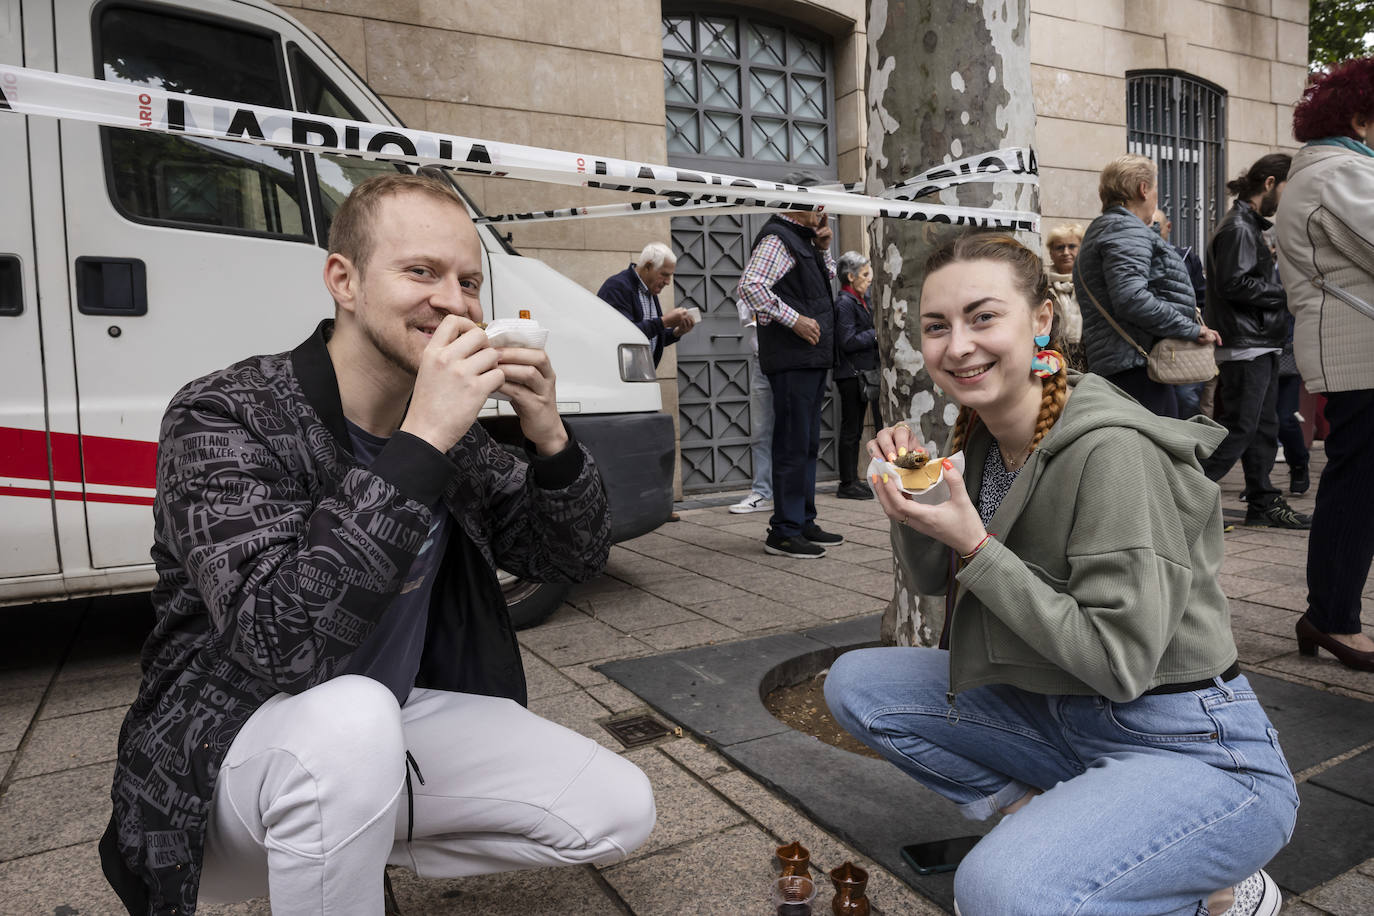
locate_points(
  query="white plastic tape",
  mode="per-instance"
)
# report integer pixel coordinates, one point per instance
(39, 92)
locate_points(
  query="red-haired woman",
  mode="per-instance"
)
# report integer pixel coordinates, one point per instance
(1090, 688)
(1326, 258)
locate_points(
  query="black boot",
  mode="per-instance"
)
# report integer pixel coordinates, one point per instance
(1298, 479)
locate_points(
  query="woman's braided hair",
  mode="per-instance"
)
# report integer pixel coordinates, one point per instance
(1029, 275)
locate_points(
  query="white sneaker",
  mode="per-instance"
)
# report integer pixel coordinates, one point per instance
(1257, 895)
(752, 503)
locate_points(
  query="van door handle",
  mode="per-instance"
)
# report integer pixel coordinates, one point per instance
(111, 286)
(727, 336)
(11, 286)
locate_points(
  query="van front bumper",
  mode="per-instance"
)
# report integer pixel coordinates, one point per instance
(635, 454)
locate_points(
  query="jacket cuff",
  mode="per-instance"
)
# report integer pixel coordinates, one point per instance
(419, 470)
(556, 472)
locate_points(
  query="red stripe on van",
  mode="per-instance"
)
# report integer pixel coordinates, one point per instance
(77, 497)
(107, 461)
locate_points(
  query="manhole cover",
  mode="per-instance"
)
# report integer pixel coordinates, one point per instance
(636, 730)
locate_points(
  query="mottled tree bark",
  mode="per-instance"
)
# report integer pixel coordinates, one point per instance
(946, 79)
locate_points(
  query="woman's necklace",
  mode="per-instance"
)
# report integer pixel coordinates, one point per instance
(1014, 461)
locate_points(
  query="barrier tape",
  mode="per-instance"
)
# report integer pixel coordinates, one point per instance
(1014, 164)
(38, 92)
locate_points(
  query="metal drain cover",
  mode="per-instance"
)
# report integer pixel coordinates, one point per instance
(635, 731)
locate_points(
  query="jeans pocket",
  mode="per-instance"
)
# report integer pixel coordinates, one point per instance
(1292, 782)
(1161, 720)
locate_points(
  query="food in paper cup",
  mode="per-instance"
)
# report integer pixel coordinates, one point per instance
(925, 483)
(516, 332)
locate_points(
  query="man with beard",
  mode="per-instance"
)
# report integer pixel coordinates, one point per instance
(332, 683)
(1247, 306)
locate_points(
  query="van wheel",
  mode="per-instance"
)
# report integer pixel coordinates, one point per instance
(530, 603)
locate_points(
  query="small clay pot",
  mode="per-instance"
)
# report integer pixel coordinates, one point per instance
(795, 859)
(850, 881)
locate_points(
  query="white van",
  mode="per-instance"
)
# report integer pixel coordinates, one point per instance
(133, 262)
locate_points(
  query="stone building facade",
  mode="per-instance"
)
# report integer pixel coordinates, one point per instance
(775, 86)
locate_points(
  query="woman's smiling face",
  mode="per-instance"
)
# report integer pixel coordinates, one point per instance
(977, 332)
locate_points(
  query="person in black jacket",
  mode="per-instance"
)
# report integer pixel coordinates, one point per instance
(787, 286)
(332, 683)
(634, 293)
(1247, 306)
(857, 356)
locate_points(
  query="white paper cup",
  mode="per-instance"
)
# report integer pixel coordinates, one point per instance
(932, 495)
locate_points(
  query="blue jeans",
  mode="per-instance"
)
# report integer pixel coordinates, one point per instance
(797, 398)
(1149, 806)
(761, 429)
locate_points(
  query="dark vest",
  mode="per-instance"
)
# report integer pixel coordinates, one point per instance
(806, 288)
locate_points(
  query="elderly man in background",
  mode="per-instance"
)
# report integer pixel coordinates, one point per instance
(1062, 245)
(1128, 275)
(634, 293)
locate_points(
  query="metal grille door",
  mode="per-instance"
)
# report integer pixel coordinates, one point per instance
(750, 97)
(1179, 121)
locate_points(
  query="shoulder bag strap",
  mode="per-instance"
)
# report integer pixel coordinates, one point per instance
(1124, 336)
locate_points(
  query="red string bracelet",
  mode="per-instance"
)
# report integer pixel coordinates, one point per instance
(974, 552)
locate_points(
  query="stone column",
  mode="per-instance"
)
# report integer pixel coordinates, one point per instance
(946, 79)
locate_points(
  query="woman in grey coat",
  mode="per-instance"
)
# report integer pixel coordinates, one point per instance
(1138, 278)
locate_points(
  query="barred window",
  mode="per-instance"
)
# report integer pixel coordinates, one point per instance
(1179, 121)
(738, 88)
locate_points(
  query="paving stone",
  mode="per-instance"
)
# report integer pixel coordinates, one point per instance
(1241, 587)
(851, 634)
(1252, 616)
(720, 874)
(687, 807)
(696, 757)
(65, 880)
(1353, 778)
(580, 642)
(1334, 834)
(1295, 907)
(17, 708)
(71, 695)
(849, 605)
(1351, 894)
(6, 759)
(539, 892)
(614, 697)
(71, 741)
(584, 676)
(1313, 725)
(580, 713)
(713, 691)
(566, 613)
(694, 591)
(754, 612)
(636, 611)
(1255, 647)
(688, 633)
(1324, 669)
(30, 821)
(541, 678)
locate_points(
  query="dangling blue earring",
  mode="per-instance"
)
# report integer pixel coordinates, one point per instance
(1046, 363)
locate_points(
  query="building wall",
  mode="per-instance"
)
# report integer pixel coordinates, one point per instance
(1081, 49)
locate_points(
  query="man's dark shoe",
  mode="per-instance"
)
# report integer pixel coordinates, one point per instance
(854, 490)
(816, 535)
(1276, 514)
(799, 548)
(1298, 480)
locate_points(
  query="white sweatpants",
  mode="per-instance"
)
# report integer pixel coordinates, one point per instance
(311, 801)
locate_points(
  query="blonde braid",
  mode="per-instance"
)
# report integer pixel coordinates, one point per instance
(1056, 392)
(963, 425)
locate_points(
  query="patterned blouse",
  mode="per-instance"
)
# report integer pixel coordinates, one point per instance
(997, 480)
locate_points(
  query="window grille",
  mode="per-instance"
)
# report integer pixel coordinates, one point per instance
(738, 88)
(1179, 121)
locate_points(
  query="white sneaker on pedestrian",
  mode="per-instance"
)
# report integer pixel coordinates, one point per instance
(1257, 895)
(752, 503)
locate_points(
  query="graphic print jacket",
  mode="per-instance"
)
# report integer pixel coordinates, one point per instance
(277, 553)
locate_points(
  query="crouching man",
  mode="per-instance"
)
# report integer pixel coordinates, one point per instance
(332, 683)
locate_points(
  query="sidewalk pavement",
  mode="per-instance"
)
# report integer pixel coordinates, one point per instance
(68, 672)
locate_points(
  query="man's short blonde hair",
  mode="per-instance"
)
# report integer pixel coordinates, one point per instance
(1064, 233)
(1122, 178)
(350, 232)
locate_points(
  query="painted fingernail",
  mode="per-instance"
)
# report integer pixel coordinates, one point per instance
(947, 465)
(884, 478)
(874, 479)
(891, 456)
(901, 452)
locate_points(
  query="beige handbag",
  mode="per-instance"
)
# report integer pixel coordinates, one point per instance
(1172, 360)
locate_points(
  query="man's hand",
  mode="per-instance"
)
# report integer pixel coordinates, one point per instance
(823, 234)
(678, 320)
(1207, 334)
(458, 372)
(807, 329)
(529, 383)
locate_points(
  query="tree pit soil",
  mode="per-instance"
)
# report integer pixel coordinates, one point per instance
(803, 708)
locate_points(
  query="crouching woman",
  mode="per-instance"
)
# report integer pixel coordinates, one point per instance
(1086, 682)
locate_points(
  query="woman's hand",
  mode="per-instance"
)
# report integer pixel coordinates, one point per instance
(954, 522)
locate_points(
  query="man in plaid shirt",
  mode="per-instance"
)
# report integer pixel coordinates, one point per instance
(787, 286)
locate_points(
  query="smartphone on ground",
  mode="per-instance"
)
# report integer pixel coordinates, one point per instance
(938, 855)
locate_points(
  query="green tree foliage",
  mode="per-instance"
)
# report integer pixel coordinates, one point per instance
(1339, 30)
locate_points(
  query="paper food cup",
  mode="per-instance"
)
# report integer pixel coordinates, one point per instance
(932, 495)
